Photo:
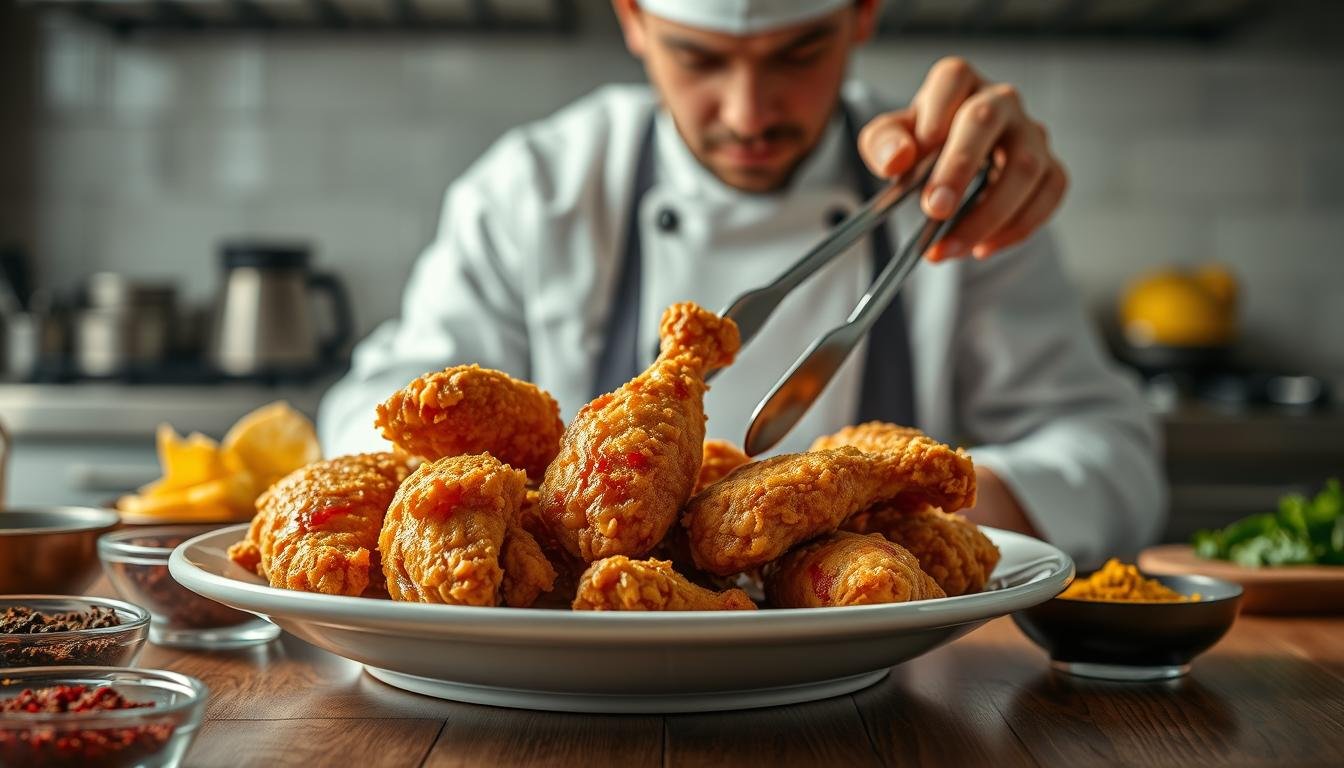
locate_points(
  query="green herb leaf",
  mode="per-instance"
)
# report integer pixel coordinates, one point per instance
(1302, 531)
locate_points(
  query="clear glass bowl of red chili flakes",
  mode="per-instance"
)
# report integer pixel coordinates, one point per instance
(98, 717)
(136, 562)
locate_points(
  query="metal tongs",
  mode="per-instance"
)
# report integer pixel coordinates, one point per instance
(804, 382)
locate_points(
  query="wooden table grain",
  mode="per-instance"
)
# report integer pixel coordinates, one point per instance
(1270, 694)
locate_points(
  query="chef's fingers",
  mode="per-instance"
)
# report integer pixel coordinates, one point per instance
(950, 82)
(978, 126)
(887, 143)
(1024, 163)
(1042, 206)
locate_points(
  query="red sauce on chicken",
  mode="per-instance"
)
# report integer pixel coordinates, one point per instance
(448, 500)
(822, 582)
(313, 519)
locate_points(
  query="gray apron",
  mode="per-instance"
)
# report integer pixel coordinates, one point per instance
(888, 386)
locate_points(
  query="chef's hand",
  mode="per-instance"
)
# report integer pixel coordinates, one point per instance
(970, 119)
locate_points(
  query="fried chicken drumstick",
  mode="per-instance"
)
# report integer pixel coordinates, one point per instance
(444, 533)
(469, 409)
(949, 547)
(620, 584)
(630, 459)
(762, 510)
(316, 529)
(845, 568)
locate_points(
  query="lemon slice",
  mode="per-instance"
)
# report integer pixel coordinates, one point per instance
(196, 504)
(185, 461)
(271, 442)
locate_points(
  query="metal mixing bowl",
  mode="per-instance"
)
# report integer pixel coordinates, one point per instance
(52, 550)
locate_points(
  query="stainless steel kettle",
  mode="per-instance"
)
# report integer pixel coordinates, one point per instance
(264, 322)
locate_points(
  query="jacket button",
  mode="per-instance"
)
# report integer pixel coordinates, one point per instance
(667, 220)
(835, 216)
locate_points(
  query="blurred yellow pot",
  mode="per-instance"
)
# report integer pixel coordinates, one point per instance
(1181, 308)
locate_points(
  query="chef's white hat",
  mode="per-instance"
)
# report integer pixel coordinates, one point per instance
(740, 17)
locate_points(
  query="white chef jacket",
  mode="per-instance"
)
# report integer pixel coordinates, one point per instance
(521, 274)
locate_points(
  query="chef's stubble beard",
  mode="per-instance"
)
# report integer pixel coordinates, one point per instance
(703, 149)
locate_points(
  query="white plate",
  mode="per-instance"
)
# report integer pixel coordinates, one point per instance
(581, 661)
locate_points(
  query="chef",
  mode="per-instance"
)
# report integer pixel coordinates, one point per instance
(559, 249)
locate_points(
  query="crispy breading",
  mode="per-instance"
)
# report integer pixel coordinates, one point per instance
(870, 437)
(630, 458)
(764, 509)
(618, 583)
(846, 568)
(316, 529)
(468, 409)
(444, 533)
(568, 567)
(949, 547)
(528, 573)
(717, 459)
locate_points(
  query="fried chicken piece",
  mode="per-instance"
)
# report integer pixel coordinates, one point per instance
(845, 568)
(764, 509)
(717, 459)
(468, 409)
(949, 547)
(444, 533)
(247, 553)
(567, 567)
(869, 437)
(528, 573)
(630, 459)
(676, 548)
(316, 529)
(618, 583)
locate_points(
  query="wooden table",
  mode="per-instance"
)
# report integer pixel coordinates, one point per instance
(1271, 693)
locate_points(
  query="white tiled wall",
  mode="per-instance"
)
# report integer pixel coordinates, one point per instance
(149, 152)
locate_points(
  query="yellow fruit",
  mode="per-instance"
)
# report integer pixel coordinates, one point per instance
(185, 461)
(1180, 309)
(184, 504)
(271, 442)
(206, 482)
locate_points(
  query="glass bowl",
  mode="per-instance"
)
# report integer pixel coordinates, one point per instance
(117, 646)
(152, 737)
(136, 562)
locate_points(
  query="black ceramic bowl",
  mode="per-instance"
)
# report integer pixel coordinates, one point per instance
(1133, 641)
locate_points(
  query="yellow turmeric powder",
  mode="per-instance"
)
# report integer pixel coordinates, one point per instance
(1118, 582)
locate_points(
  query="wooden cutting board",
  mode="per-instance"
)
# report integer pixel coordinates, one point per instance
(1317, 589)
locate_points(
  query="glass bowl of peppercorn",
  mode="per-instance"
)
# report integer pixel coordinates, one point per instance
(55, 630)
(136, 562)
(98, 717)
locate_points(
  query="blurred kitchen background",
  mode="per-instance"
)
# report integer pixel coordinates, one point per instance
(145, 144)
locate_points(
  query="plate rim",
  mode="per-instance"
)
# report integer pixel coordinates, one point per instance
(541, 625)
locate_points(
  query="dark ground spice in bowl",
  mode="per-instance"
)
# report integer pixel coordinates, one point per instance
(137, 563)
(178, 607)
(22, 620)
(59, 631)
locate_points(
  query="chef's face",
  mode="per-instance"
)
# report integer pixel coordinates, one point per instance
(749, 107)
